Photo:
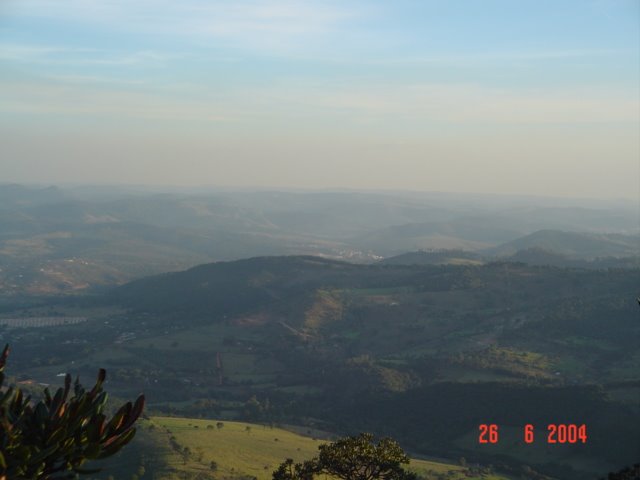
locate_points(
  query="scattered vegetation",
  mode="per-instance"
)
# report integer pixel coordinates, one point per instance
(232, 453)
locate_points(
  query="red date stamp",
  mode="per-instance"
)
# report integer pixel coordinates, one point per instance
(562, 433)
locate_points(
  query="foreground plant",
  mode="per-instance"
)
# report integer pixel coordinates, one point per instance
(53, 438)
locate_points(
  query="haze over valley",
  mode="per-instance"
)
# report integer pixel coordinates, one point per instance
(415, 315)
(319, 240)
(63, 240)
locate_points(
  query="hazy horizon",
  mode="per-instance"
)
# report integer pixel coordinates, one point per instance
(533, 98)
(107, 190)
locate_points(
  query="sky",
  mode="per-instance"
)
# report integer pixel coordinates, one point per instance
(538, 97)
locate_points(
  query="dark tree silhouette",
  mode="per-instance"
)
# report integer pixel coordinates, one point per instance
(293, 471)
(351, 458)
(627, 473)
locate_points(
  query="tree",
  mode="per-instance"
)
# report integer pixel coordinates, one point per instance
(53, 438)
(252, 408)
(627, 473)
(351, 458)
(290, 471)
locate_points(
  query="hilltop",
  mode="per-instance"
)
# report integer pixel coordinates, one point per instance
(576, 245)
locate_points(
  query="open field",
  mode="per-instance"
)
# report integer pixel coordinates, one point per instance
(249, 450)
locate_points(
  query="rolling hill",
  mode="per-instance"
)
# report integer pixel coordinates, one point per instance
(573, 244)
(424, 353)
(185, 448)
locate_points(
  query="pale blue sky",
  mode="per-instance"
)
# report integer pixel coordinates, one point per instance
(538, 97)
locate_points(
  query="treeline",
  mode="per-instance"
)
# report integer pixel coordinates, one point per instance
(432, 419)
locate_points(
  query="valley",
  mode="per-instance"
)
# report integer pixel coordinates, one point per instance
(423, 353)
(415, 316)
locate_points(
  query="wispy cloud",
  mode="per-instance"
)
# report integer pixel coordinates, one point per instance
(27, 52)
(493, 58)
(65, 55)
(435, 103)
(282, 27)
(418, 104)
(94, 79)
(276, 25)
(82, 100)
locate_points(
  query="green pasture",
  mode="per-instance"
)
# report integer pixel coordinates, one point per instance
(251, 450)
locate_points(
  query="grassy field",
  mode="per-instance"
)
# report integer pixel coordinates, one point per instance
(249, 450)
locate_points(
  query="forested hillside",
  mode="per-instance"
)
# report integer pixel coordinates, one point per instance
(425, 353)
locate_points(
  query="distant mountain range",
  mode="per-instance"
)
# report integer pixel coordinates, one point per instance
(573, 244)
(55, 240)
